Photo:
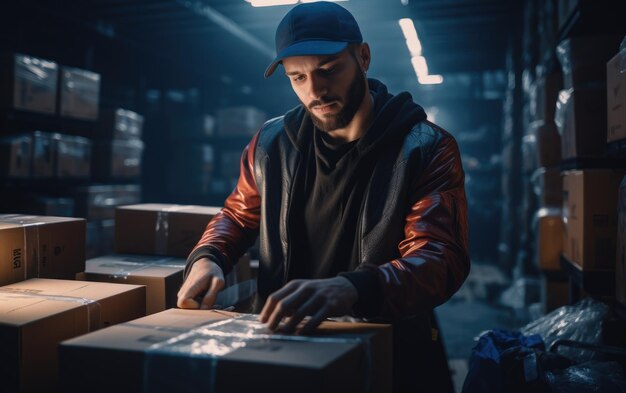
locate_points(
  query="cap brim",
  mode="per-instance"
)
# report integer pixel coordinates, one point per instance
(306, 48)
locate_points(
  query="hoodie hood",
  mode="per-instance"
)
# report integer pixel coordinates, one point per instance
(394, 116)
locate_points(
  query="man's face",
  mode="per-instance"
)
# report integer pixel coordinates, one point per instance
(331, 88)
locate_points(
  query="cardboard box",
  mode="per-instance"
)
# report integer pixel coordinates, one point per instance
(160, 229)
(554, 293)
(117, 159)
(28, 83)
(138, 355)
(162, 276)
(80, 93)
(43, 155)
(581, 120)
(239, 121)
(549, 232)
(72, 155)
(98, 202)
(543, 96)
(620, 269)
(548, 186)
(583, 60)
(15, 156)
(119, 124)
(590, 217)
(36, 315)
(36, 246)
(616, 97)
(548, 143)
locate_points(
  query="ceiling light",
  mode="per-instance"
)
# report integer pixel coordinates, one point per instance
(269, 3)
(420, 66)
(430, 79)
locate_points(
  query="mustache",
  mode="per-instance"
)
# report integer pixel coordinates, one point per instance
(323, 101)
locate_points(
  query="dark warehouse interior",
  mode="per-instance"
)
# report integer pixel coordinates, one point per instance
(122, 128)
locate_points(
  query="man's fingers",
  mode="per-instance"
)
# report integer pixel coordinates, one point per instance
(217, 284)
(286, 307)
(187, 294)
(315, 321)
(310, 307)
(274, 298)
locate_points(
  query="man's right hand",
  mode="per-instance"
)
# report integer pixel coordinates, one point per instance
(205, 276)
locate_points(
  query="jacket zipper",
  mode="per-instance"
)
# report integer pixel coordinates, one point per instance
(288, 223)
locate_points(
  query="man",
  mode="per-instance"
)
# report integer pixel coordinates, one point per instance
(358, 199)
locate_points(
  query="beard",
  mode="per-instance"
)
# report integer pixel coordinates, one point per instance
(353, 101)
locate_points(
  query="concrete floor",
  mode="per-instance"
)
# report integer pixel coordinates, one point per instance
(471, 311)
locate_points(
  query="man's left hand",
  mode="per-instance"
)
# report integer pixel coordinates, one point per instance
(320, 299)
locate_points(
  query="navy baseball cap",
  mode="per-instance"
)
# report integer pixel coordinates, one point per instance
(320, 28)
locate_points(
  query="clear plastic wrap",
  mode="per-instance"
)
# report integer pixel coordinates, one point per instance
(190, 361)
(580, 322)
(592, 376)
(563, 109)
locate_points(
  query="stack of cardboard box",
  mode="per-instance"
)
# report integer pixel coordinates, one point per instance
(590, 189)
(40, 303)
(616, 135)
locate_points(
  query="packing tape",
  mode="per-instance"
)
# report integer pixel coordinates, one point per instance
(161, 231)
(93, 307)
(207, 343)
(126, 267)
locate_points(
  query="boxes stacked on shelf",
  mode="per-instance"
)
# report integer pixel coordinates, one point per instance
(37, 314)
(590, 217)
(42, 155)
(581, 107)
(79, 92)
(167, 350)
(118, 148)
(28, 83)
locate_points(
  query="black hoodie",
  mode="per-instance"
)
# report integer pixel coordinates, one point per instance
(329, 193)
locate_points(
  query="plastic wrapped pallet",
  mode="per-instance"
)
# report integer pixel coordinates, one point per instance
(581, 121)
(580, 322)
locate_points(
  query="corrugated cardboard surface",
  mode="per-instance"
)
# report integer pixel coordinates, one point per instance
(39, 246)
(160, 229)
(590, 217)
(272, 365)
(37, 314)
(162, 276)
